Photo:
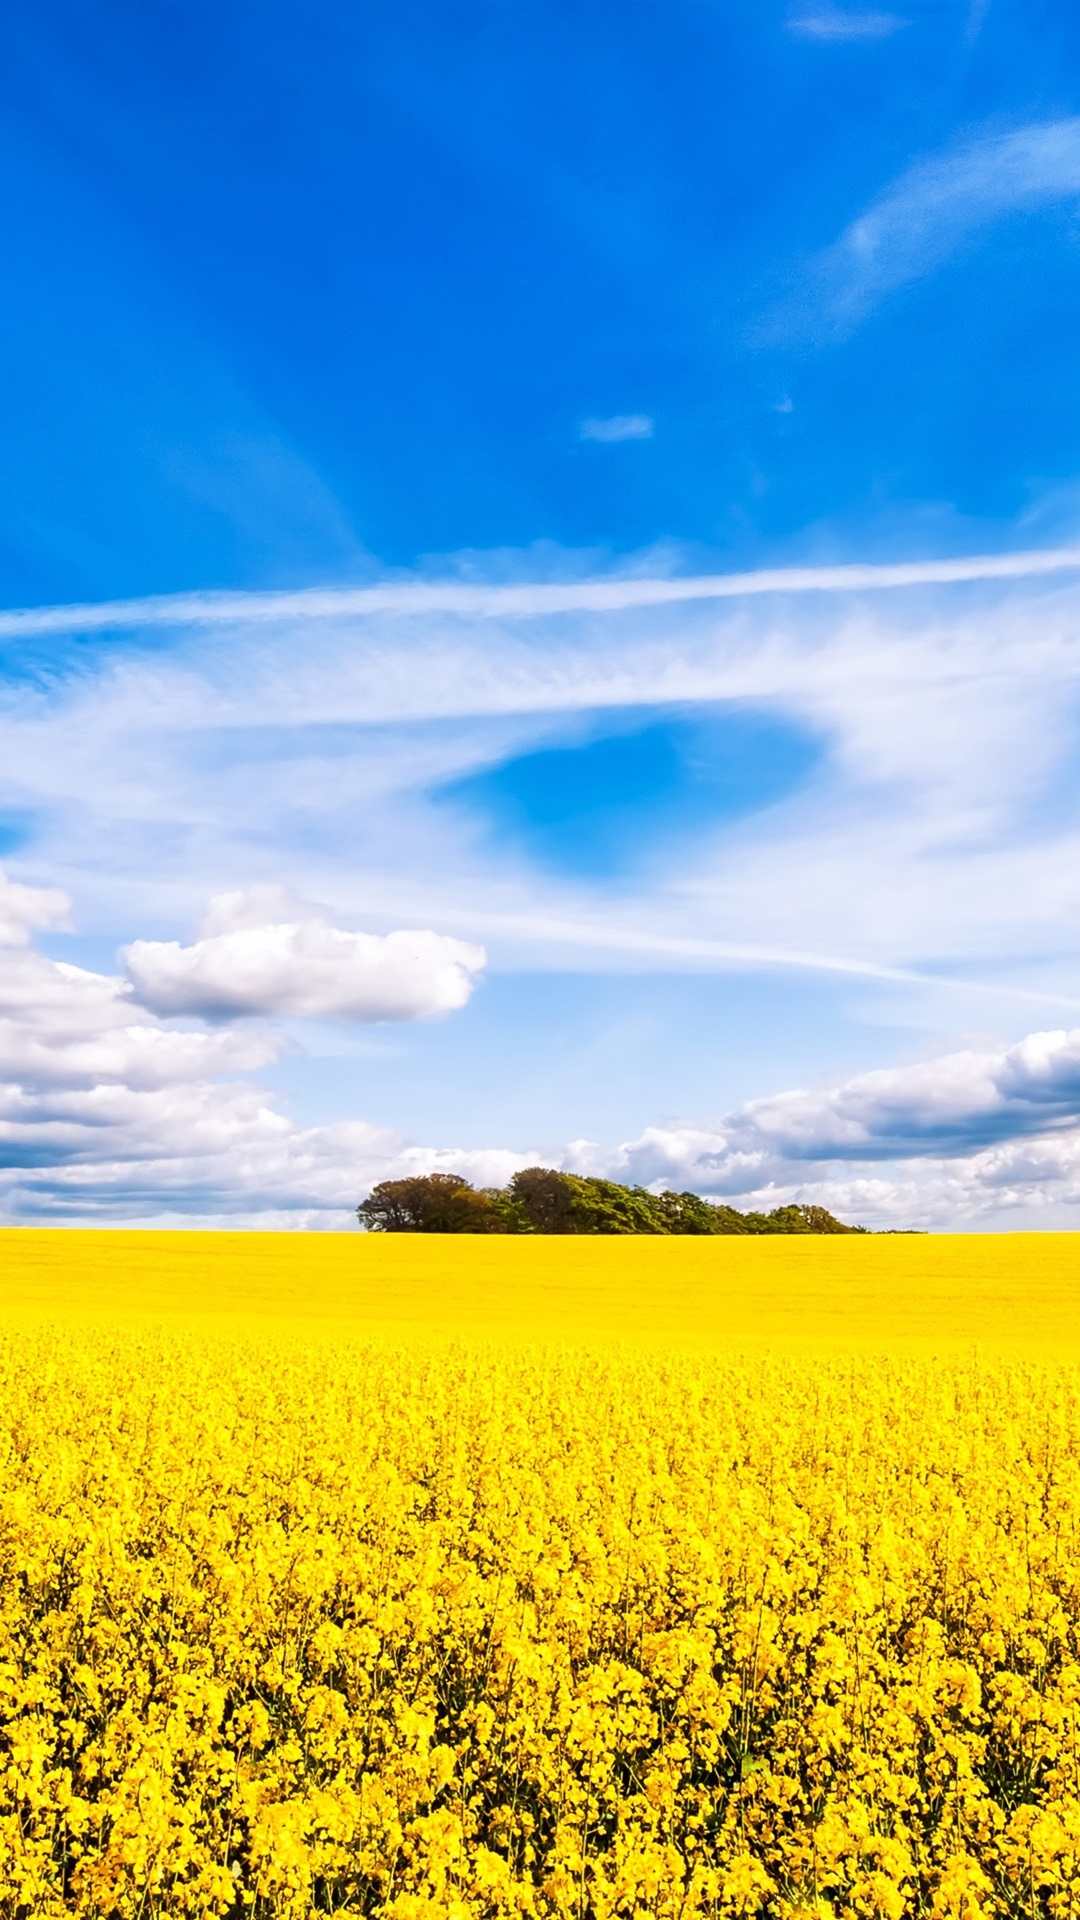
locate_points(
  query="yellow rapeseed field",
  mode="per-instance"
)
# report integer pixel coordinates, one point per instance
(460, 1578)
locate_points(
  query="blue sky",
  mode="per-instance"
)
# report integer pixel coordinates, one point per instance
(377, 787)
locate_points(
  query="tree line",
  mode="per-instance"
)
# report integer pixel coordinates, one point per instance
(542, 1200)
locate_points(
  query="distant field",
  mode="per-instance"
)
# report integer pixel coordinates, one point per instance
(478, 1579)
(1010, 1293)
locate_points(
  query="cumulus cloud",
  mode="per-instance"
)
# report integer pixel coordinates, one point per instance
(202, 1152)
(24, 910)
(618, 426)
(937, 205)
(266, 904)
(937, 850)
(65, 1026)
(953, 1104)
(962, 1135)
(251, 962)
(109, 1113)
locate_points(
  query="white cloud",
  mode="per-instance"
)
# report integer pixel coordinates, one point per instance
(247, 963)
(956, 1138)
(106, 1112)
(955, 1103)
(65, 1026)
(940, 837)
(937, 205)
(619, 426)
(202, 1152)
(266, 904)
(23, 910)
(418, 599)
(138, 1055)
(109, 1113)
(831, 23)
(935, 851)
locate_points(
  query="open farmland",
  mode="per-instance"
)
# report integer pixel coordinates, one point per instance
(478, 1578)
(1003, 1293)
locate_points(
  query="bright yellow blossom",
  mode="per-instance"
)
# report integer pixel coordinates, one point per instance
(291, 1625)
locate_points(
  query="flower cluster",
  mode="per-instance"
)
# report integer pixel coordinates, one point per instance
(292, 1628)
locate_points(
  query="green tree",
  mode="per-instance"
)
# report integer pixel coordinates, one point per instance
(797, 1219)
(689, 1213)
(546, 1199)
(579, 1203)
(543, 1200)
(430, 1203)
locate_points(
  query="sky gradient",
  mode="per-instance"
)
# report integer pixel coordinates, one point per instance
(539, 604)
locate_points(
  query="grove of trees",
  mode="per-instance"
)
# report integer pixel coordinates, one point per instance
(542, 1200)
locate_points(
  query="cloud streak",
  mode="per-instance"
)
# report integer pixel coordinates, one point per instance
(934, 851)
(525, 599)
(924, 850)
(936, 207)
(832, 23)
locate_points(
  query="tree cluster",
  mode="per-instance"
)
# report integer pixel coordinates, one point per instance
(541, 1200)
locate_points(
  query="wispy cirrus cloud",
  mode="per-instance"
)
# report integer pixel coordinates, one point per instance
(977, 12)
(933, 848)
(835, 23)
(312, 734)
(932, 210)
(615, 592)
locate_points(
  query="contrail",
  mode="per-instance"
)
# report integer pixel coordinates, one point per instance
(523, 600)
(613, 937)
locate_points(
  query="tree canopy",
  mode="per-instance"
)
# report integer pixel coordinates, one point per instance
(543, 1200)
